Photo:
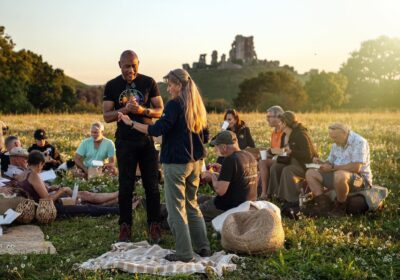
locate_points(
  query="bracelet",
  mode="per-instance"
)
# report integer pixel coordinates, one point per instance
(133, 125)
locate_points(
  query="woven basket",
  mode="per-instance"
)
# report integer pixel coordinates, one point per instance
(253, 232)
(46, 211)
(27, 210)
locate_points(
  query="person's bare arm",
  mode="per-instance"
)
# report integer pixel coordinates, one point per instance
(155, 112)
(41, 189)
(111, 115)
(79, 162)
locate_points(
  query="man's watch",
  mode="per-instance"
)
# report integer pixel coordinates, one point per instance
(147, 112)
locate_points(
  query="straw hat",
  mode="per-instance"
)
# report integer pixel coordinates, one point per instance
(253, 232)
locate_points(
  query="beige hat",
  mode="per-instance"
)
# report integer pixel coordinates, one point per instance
(19, 152)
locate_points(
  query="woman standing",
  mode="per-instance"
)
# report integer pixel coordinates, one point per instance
(182, 151)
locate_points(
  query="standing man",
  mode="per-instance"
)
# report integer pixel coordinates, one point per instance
(137, 96)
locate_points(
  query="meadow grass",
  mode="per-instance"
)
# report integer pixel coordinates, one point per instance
(363, 247)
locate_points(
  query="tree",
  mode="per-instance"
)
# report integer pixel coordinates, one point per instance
(268, 89)
(373, 72)
(326, 91)
(14, 77)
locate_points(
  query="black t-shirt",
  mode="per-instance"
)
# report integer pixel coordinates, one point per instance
(5, 161)
(240, 170)
(143, 89)
(54, 154)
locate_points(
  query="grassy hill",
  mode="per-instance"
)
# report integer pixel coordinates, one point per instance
(75, 83)
(224, 83)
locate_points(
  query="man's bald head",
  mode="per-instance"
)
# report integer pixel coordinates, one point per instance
(128, 54)
(129, 64)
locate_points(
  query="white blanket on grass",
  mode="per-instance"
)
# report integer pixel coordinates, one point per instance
(218, 221)
(141, 257)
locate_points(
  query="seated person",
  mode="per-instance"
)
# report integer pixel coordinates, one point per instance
(277, 141)
(96, 147)
(53, 158)
(285, 174)
(10, 142)
(31, 185)
(18, 162)
(238, 126)
(236, 183)
(346, 170)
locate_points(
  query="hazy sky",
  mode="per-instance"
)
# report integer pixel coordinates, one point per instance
(86, 37)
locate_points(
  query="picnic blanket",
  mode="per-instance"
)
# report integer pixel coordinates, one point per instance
(218, 221)
(141, 257)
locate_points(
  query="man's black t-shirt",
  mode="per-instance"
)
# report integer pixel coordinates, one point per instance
(143, 89)
(240, 170)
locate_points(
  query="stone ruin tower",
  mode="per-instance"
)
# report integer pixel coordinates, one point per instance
(242, 49)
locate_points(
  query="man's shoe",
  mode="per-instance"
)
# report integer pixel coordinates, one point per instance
(339, 210)
(175, 258)
(204, 252)
(155, 233)
(125, 234)
(319, 207)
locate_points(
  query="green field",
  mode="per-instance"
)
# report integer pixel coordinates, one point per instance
(364, 247)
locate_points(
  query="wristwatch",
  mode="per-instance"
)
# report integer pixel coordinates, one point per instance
(146, 112)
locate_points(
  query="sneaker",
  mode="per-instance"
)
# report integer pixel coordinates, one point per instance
(175, 258)
(204, 252)
(125, 234)
(155, 233)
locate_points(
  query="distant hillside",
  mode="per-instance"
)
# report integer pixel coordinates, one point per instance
(75, 83)
(224, 83)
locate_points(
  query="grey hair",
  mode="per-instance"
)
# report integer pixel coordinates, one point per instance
(276, 110)
(339, 126)
(10, 139)
(98, 125)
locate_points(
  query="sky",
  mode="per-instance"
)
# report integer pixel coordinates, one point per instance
(86, 37)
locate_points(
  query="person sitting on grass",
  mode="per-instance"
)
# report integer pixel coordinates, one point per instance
(10, 143)
(238, 126)
(277, 141)
(18, 162)
(53, 158)
(347, 170)
(236, 183)
(97, 147)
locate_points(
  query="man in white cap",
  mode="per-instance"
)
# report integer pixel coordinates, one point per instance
(18, 161)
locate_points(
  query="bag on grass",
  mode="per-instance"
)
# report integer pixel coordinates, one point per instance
(253, 232)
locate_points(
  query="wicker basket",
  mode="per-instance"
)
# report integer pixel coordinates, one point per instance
(46, 211)
(252, 232)
(27, 210)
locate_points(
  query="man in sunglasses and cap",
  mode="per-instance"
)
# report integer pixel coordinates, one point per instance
(237, 181)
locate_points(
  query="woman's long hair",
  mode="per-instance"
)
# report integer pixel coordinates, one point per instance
(193, 106)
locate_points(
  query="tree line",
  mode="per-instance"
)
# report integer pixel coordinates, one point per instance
(28, 84)
(370, 78)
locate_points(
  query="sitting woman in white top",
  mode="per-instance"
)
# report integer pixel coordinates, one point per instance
(96, 148)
